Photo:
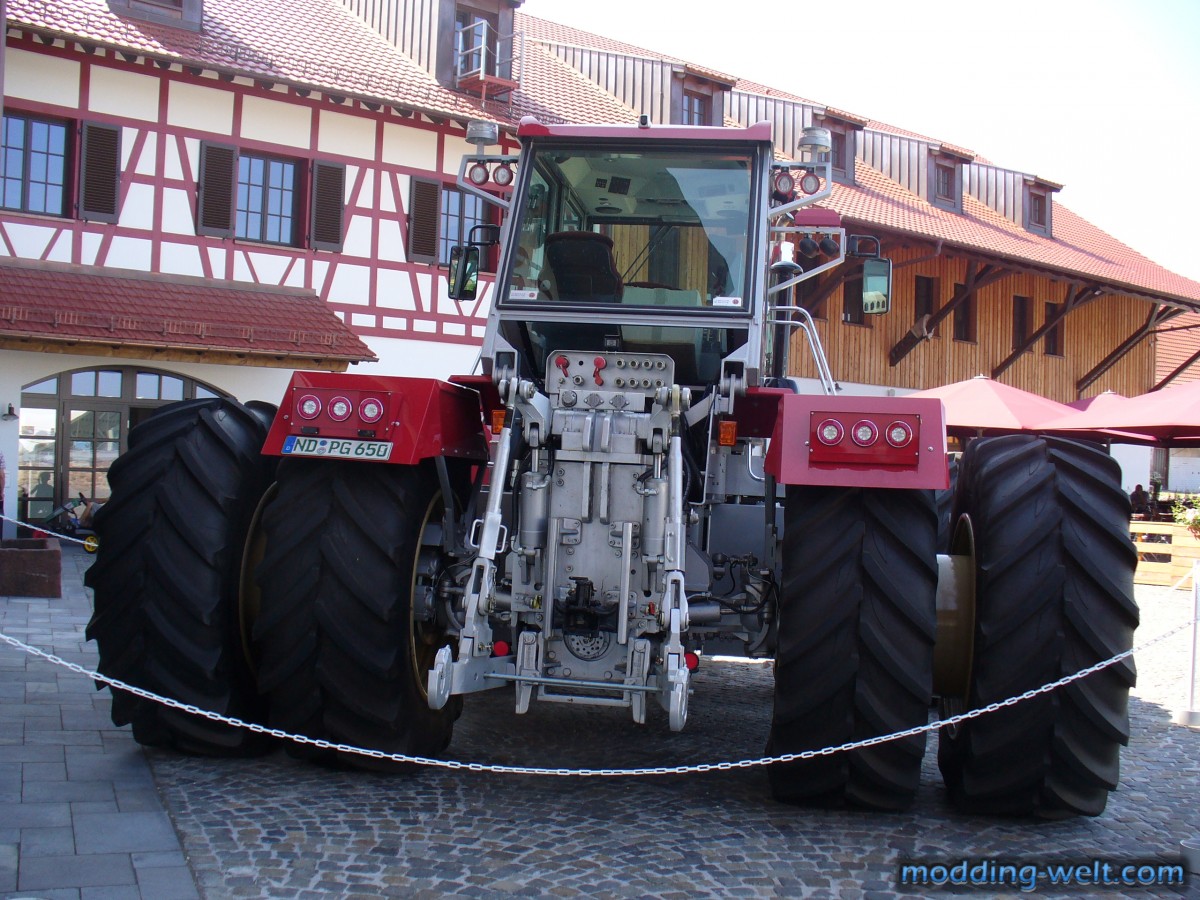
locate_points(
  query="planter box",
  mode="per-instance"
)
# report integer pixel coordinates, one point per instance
(1165, 551)
(31, 568)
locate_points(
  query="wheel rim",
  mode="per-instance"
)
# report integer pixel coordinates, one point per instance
(954, 648)
(426, 633)
(249, 595)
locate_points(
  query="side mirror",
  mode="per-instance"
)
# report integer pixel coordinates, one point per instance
(877, 286)
(464, 272)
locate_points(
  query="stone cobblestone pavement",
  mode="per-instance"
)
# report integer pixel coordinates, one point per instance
(275, 827)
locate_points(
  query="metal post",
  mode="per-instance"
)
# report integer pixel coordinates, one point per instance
(1191, 715)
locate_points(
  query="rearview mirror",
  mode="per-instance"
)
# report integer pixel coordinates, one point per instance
(464, 272)
(877, 286)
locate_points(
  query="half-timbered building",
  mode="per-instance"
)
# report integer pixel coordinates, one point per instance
(199, 196)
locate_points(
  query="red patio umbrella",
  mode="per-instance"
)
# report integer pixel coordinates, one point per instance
(982, 404)
(1170, 416)
(1107, 400)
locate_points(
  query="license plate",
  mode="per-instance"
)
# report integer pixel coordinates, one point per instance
(336, 447)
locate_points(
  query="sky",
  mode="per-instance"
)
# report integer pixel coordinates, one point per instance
(1101, 96)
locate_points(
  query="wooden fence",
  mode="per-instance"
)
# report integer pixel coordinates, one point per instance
(1165, 550)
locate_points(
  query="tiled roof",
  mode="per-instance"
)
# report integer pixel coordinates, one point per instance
(556, 92)
(116, 307)
(319, 43)
(1078, 247)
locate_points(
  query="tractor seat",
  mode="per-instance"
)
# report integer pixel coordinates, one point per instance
(583, 267)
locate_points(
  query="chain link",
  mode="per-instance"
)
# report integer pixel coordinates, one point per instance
(44, 530)
(603, 773)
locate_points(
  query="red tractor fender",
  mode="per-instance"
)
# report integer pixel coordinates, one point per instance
(874, 442)
(418, 418)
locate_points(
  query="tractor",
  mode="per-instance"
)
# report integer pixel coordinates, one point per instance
(631, 480)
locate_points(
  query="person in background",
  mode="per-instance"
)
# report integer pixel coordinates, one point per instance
(1140, 500)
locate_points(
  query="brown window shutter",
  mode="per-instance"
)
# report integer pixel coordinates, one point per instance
(328, 205)
(100, 173)
(218, 165)
(423, 213)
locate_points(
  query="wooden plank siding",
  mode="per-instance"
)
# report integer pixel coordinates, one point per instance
(859, 353)
(1178, 342)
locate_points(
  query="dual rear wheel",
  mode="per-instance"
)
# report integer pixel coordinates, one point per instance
(315, 631)
(1053, 594)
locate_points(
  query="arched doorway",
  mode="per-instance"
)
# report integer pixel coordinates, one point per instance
(74, 424)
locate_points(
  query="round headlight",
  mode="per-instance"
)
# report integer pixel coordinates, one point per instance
(899, 434)
(784, 183)
(308, 406)
(478, 174)
(810, 182)
(503, 175)
(865, 432)
(370, 410)
(340, 409)
(830, 432)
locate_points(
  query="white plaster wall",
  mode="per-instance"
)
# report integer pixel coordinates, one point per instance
(427, 359)
(454, 149)
(276, 123)
(406, 146)
(202, 108)
(343, 135)
(36, 76)
(121, 93)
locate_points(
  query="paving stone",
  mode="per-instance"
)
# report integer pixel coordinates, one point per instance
(75, 871)
(168, 883)
(124, 832)
(47, 841)
(86, 791)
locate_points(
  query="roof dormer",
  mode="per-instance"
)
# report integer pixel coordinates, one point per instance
(945, 178)
(697, 98)
(187, 14)
(843, 137)
(1025, 200)
(1037, 213)
(478, 50)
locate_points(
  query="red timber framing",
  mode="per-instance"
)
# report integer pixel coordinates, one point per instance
(370, 283)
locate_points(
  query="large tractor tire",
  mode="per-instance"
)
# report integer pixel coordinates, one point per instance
(944, 501)
(1053, 595)
(855, 649)
(165, 578)
(342, 656)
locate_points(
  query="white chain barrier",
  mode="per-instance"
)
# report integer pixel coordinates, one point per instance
(563, 772)
(44, 530)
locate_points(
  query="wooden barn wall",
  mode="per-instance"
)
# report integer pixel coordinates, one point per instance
(409, 24)
(859, 353)
(644, 84)
(1179, 340)
(1001, 189)
(788, 118)
(901, 159)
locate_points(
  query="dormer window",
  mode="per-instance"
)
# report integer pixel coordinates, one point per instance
(697, 108)
(1037, 210)
(695, 100)
(842, 147)
(187, 14)
(945, 179)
